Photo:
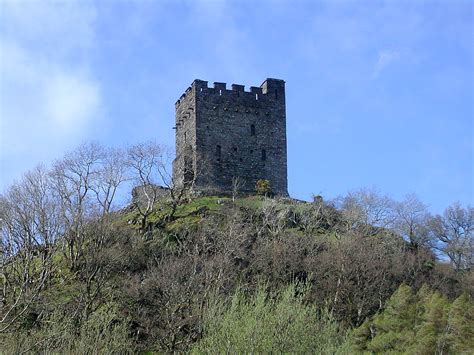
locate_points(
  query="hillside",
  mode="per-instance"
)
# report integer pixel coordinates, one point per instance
(188, 281)
(175, 270)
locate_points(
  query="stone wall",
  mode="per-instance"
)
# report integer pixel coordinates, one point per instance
(232, 133)
(185, 162)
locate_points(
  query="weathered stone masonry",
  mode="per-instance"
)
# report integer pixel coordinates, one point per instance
(223, 134)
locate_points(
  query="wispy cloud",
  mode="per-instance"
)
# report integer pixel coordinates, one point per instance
(385, 58)
(48, 91)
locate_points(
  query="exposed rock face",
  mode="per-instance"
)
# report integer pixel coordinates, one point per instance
(226, 134)
(143, 193)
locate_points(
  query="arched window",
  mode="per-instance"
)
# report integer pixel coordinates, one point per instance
(264, 154)
(252, 129)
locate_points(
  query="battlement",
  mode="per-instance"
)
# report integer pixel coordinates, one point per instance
(270, 87)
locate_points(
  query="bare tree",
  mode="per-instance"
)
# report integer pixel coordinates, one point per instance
(150, 168)
(237, 185)
(365, 209)
(30, 225)
(274, 216)
(412, 222)
(356, 274)
(317, 214)
(112, 173)
(455, 232)
(74, 177)
(147, 164)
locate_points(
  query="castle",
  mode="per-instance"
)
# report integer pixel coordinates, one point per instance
(224, 136)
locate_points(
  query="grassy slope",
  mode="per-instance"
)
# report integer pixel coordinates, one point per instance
(191, 212)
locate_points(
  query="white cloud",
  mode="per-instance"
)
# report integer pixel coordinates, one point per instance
(50, 26)
(71, 100)
(48, 93)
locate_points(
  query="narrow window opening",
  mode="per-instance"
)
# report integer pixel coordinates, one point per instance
(256, 96)
(185, 137)
(220, 92)
(251, 151)
(264, 155)
(276, 94)
(252, 130)
(200, 90)
(235, 149)
(218, 151)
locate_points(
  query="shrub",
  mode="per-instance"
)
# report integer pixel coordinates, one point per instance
(266, 323)
(102, 333)
(263, 187)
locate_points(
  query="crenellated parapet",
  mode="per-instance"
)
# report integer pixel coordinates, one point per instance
(270, 89)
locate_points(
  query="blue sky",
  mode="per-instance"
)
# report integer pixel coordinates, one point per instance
(379, 94)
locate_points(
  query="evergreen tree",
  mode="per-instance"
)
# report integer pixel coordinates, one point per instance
(422, 323)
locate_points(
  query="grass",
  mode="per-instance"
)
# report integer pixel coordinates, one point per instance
(189, 214)
(201, 204)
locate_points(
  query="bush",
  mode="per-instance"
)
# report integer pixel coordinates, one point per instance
(267, 323)
(263, 188)
(102, 333)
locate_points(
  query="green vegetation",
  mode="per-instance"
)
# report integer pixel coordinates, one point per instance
(263, 188)
(102, 333)
(195, 208)
(147, 291)
(175, 272)
(425, 322)
(265, 322)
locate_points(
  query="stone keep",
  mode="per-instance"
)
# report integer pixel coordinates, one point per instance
(226, 134)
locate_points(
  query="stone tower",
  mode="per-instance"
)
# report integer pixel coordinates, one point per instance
(225, 134)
